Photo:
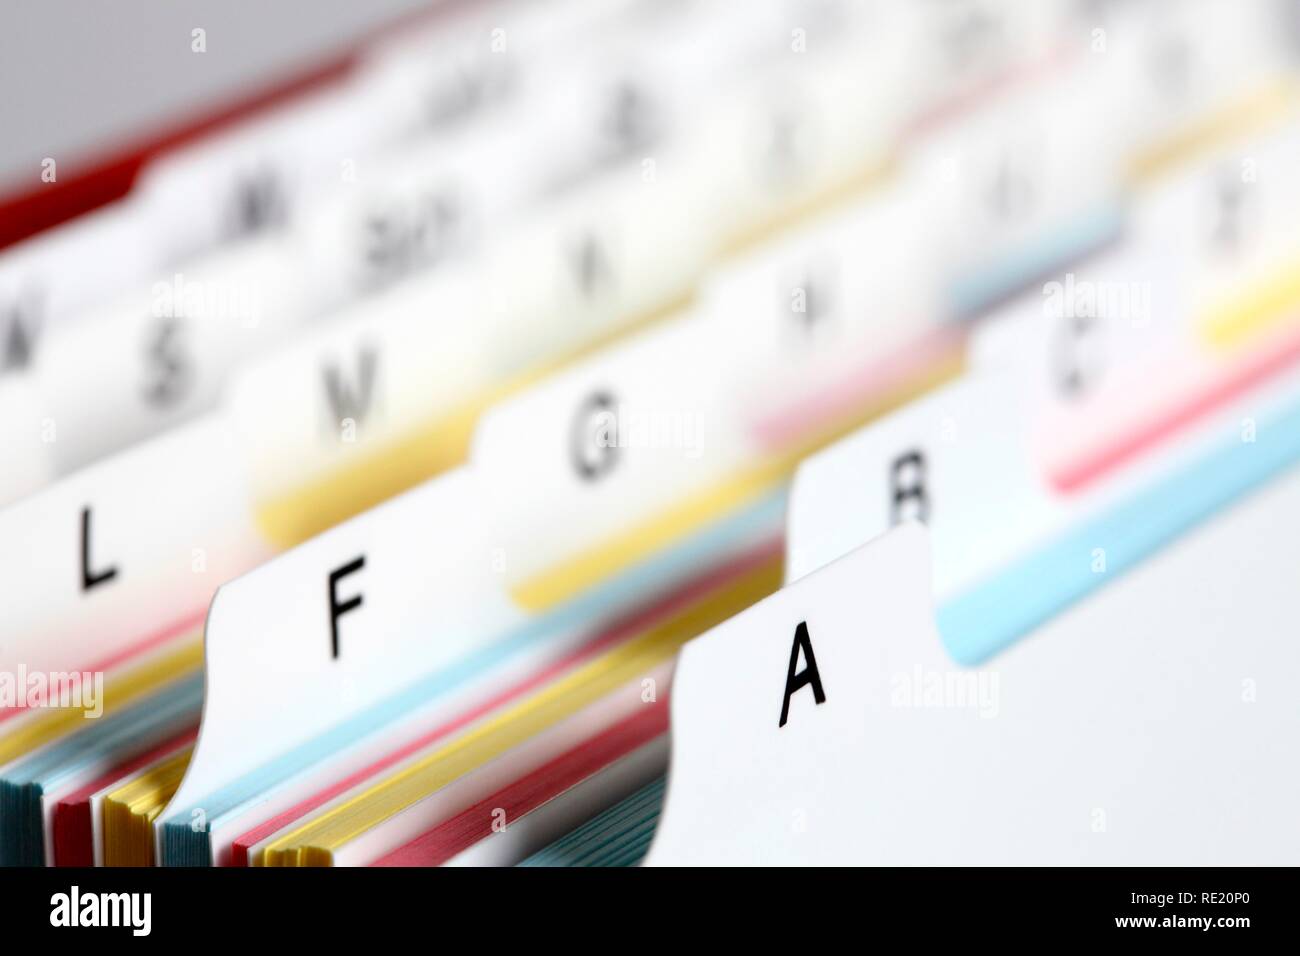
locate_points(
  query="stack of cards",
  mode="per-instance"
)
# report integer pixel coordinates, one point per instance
(586, 434)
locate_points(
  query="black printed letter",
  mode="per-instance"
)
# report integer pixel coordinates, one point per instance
(809, 675)
(344, 402)
(594, 436)
(1078, 355)
(337, 610)
(591, 266)
(913, 490)
(90, 578)
(173, 372)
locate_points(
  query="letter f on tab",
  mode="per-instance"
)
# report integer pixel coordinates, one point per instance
(339, 608)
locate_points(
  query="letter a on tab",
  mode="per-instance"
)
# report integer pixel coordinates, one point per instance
(744, 789)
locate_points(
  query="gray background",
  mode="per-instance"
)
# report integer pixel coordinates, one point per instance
(78, 77)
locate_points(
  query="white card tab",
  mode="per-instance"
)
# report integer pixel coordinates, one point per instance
(1082, 746)
(774, 713)
(322, 632)
(127, 549)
